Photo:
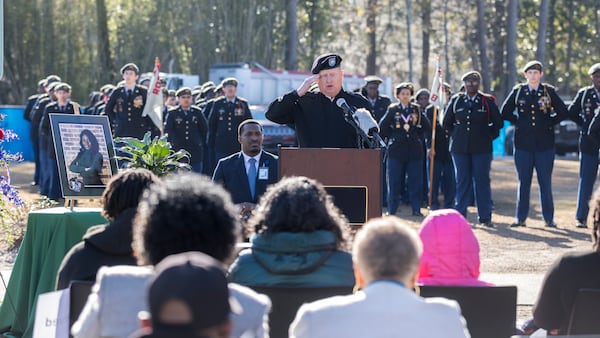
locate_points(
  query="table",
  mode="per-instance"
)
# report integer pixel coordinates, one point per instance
(50, 234)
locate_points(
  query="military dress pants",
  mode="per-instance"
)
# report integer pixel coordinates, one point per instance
(543, 162)
(473, 177)
(588, 169)
(398, 170)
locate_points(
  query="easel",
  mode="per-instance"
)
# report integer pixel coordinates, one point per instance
(70, 203)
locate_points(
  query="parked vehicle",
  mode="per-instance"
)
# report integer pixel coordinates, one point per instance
(275, 135)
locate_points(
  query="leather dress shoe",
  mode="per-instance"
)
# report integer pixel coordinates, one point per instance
(518, 224)
(580, 224)
(486, 222)
(550, 224)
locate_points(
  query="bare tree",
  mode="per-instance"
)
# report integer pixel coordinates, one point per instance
(426, 26)
(103, 43)
(372, 37)
(409, 41)
(483, 59)
(540, 54)
(291, 42)
(511, 44)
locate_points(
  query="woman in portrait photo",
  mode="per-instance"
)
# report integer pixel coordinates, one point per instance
(88, 162)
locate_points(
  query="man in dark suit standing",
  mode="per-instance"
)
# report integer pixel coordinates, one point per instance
(246, 174)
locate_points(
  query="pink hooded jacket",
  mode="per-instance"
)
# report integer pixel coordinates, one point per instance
(450, 251)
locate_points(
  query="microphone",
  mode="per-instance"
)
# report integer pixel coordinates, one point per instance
(363, 119)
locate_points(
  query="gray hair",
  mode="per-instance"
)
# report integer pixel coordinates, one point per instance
(386, 248)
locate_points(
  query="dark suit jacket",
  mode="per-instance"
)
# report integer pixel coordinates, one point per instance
(231, 174)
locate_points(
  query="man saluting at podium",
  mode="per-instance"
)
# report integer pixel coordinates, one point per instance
(318, 116)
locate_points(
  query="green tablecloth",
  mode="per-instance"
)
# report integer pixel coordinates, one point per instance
(50, 234)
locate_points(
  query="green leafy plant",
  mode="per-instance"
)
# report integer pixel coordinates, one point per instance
(154, 154)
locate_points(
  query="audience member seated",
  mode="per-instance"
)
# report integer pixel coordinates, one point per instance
(109, 244)
(386, 259)
(189, 298)
(299, 239)
(185, 212)
(570, 273)
(450, 250)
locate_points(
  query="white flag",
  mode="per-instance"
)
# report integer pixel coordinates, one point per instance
(438, 94)
(154, 100)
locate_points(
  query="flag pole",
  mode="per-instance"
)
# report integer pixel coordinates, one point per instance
(435, 99)
(161, 128)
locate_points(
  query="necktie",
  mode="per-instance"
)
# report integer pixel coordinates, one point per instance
(252, 176)
(128, 94)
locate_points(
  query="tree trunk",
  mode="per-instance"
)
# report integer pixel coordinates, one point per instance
(485, 64)
(447, 76)
(570, 32)
(291, 28)
(540, 54)
(426, 26)
(409, 42)
(498, 41)
(511, 44)
(372, 37)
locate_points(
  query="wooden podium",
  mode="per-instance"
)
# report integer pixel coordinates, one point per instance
(351, 176)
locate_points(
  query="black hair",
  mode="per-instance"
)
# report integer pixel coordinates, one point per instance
(299, 204)
(124, 190)
(93, 140)
(188, 212)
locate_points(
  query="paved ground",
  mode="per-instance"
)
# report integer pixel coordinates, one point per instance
(508, 256)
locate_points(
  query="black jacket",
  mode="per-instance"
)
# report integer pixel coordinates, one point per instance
(581, 111)
(318, 121)
(404, 130)
(472, 125)
(125, 113)
(223, 121)
(102, 245)
(187, 131)
(534, 121)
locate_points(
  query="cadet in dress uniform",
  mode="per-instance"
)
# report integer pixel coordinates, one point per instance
(35, 128)
(318, 121)
(62, 105)
(379, 105)
(534, 108)
(28, 114)
(226, 114)
(126, 104)
(186, 128)
(443, 167)
(581, 111)
(403, 125)
(473, 121)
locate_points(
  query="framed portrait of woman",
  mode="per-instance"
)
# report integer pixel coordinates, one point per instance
(85, 154)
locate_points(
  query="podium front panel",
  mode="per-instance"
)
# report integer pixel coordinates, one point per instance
(351, 174)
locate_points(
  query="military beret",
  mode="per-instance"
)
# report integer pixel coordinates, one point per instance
(107, 88)
(471, 75)
(326, 61)
(229, 81)
(62, 86)
(183, 91)
(373, 78)
(130, 66)
(593, 69)
(533, 65)
(405, 85)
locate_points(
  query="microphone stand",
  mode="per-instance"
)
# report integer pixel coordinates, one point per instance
(363, 137)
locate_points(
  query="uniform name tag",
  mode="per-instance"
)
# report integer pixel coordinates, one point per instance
(263, 173)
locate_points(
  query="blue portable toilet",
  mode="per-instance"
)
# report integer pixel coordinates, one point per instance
(13, 120)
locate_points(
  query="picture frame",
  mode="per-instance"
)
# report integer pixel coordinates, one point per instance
(85, 154)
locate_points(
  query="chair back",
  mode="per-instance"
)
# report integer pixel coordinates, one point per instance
(285, 302)
(78, 295)
(490, 311)
(584, 314)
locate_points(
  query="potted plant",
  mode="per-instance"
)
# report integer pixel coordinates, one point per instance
(154, 154)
